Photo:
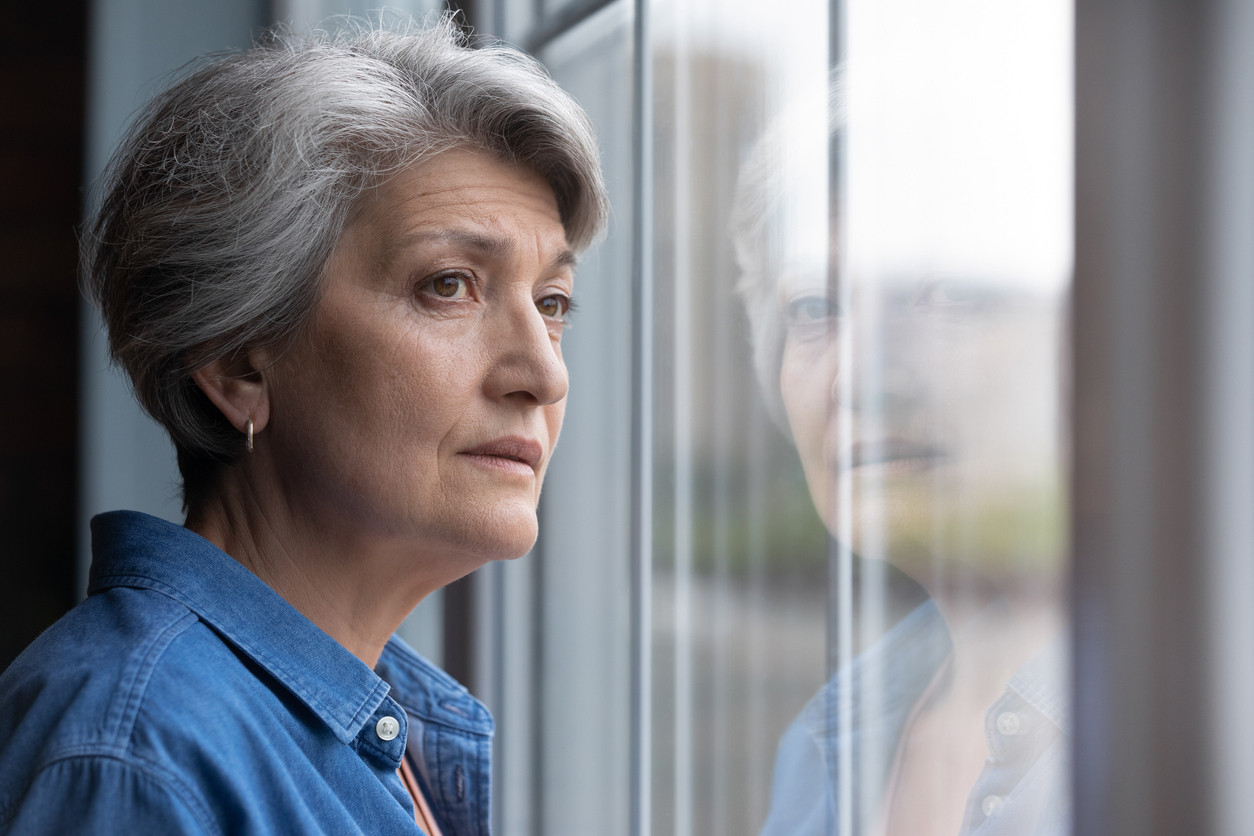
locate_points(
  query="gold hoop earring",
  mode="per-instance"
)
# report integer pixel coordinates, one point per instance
(250, 435)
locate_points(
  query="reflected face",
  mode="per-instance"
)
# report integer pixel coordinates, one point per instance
(933, 406)
(424, 398)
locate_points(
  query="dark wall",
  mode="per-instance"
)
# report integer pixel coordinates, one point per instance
(42, 72)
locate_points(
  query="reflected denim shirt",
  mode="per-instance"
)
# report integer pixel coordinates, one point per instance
(1022, 790)
(185, 696)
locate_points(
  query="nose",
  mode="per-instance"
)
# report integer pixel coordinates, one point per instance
(527, 364)
(885, 374)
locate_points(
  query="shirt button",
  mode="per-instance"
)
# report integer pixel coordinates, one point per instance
(1008, 723)
(991, 803)
(387, 728)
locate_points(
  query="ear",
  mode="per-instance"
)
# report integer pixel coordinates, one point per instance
(237, 387)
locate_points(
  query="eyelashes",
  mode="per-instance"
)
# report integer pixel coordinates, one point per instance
(807, 310)
(458, 286)
(812, 316)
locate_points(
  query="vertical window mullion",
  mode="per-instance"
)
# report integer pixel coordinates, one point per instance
(641, 425)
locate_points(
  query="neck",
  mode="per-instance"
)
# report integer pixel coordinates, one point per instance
(355, 584)
(994, 632)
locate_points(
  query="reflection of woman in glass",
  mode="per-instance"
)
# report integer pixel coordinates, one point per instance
(923, 409)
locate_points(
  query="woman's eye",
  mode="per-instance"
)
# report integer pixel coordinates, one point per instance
(449, 287)
(556, 306)
(949, 293)
(811, 310)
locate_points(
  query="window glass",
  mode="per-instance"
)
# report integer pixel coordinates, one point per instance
(740, 600)
(862, 228)
(853, 551)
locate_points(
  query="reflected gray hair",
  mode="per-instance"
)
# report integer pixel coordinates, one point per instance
(225, 199)
(754, 224)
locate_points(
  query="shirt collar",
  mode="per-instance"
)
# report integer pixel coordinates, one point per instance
(429, 693)
(130, 549)
(881, 685)
(1042, 682)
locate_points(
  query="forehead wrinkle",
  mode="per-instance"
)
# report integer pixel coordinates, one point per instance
(564, 255)
(488, 246)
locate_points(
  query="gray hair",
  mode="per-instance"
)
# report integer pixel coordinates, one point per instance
(755, 224)
(223, 203)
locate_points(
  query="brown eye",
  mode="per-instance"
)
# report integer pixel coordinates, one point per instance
(554, 307)
(449, 287)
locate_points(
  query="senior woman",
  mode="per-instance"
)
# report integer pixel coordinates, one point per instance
(336, 270)
(918, 406)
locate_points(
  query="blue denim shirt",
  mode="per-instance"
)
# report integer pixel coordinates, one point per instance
(872, 697)
(1022, 790)
(185, 696)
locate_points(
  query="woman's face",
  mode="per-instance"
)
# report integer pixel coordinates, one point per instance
(424, 398)
(933, 405)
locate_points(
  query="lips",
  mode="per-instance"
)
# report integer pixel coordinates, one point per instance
(890, 450)
(510, 449)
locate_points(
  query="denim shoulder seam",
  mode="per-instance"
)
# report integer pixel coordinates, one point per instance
(120, 716)
(178, 789)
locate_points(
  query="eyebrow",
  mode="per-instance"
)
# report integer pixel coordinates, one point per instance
(486, 245)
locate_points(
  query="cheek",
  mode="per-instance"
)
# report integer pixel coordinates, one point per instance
(807, 373)
(366, 404)
(353, 381)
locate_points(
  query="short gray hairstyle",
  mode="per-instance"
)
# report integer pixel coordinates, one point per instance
(754, 225)
(225, 199)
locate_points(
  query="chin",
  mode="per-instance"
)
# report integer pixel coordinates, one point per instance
(519, 543)
(506, 534)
